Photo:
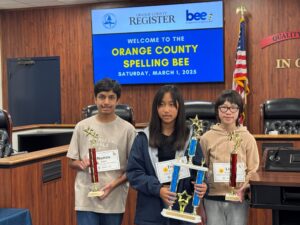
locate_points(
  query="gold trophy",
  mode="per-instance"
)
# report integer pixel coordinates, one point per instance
(236, 138)
(184, 198)
(95, 188)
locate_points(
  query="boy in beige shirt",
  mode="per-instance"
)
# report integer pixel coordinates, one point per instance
(217, 148)
(116, 136)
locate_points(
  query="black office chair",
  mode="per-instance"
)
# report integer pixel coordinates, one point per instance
(89, 111)
(281, 115)
(205, 111)
(5, 134)
(124, 111)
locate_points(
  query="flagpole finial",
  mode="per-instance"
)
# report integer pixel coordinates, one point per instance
(242, 9)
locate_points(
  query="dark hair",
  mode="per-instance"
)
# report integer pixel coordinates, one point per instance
(181, 130)
(234, 98)
(107, 84)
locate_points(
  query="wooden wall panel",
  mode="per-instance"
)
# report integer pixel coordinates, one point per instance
(49, 203)
(128, 218)
(70, 196)
(268, 17)
(57, 196)
(260, 217)
(6, 188)
(26, 192)
(66, 32)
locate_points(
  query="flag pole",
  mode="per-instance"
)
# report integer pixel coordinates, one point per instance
(242, 10)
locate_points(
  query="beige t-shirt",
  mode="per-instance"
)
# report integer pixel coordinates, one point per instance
(118, 134)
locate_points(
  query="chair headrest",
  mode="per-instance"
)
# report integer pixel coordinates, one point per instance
(89, 111)
(3, 121)
(204, 109)
(124, 111)
(282, 108)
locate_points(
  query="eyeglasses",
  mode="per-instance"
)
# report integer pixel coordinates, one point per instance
(232, 109)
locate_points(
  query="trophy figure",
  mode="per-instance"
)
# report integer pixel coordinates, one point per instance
(232, 196)
(184, 198)
(197, 132)
(95, 188)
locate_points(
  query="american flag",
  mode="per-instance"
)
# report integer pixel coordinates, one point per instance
(240, 79)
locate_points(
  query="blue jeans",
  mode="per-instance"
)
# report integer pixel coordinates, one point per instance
(92, 218)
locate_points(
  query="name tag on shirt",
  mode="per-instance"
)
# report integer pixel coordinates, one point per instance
(222, 172)
(164, 170)
(108, 160)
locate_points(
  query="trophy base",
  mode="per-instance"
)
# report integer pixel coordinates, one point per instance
(95, 194)
(174, 214)
(232, 197)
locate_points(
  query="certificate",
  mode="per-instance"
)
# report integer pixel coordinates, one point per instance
(108, 160)
(164, 170)
(222, 172)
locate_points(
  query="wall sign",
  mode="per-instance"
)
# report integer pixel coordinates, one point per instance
(287, 63)
(279, 37)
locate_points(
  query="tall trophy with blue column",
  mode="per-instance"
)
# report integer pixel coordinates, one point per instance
(184, 197)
